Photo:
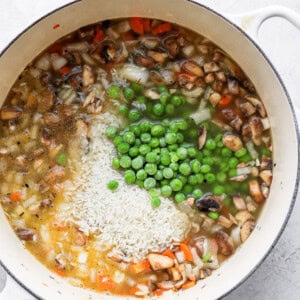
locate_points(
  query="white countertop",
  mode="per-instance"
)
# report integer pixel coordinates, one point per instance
(279, 275)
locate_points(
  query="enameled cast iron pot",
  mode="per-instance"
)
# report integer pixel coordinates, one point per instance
(42, 283)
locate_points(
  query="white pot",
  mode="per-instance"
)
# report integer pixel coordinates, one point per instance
(43, 283)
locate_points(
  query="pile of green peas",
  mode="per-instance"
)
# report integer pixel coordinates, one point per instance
(157, 156)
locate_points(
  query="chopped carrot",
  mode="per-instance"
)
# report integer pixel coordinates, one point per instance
(98, 37)
(56, 48)
(169, 253)
(158, 292)
(65, 70)
(15, 197)
(188, 285)
(105, 283)
(141, 266)
(225, 101)
(60, 226)
(128, 36)
(55, 26)
(162, 28)
(134, 290)
(187, 252)
(147, 26)
(59, 272)
(137, 25)
(186, 240)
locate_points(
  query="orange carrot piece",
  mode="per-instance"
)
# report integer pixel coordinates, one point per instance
(60, 226)
(169, 253)
(65, 70)
(147, 26)
(15, 197)
(188, 285)
(225, 101)
(55, 26)
(98, 37)
(59, 272)
(162, 28)
(134, 290)
(186, 240)
(128, 36)
(187, 252)
(158, 292)
(139, 267)
(105, 283)
(137, 25)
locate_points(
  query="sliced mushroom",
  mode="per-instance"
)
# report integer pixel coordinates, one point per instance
(223, 221)
(170, 43)
(151, 94)
(159, 57)
(192, 68)
(214, 99)
(160, 262)
(243, 216)
(175, 274)
(255, 191)
(46, 102)
(190, 201)
(225, 243)
(246, 230)
(236, 123)
(55, 174)
(109, 51)
(211, 67)
(46, 137)
(10, 113)
(258, 105)
(61, 262)
(233, 86)
(265, 189)
(232, 141)
(247, 109)
(209, 202)
(150, 42)
(87, 76)
(79, 238)
(5, 199)
(266, 176)
(166, 285)
(202, 133)
(266, 163)
(239, 202)
(239, 178)
(256, 128)
(142, 60)
(51, 118)
(207, 224)
(46, 203)
(25, 234)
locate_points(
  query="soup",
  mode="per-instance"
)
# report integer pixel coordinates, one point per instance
(135, 156)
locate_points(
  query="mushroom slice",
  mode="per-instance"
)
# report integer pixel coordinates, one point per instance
(255, 191)
(160, 262)
(202, 133)
(25, 234)
(243, 216)
(151, 94)
(239, 178)
(56, 173)
(257, 104)
(209, 202)
(246, 230)
(266, 163)
(236, 123)
(247, 109)
(211, 67)
(10, 113)
(166, 285)
(265, 190)
(223, 221)
(256, 127)
(232, 141)
(159, 57)
(266, 176)
(87, 76)
(225, 243)
(175, 274)
(192, 68)
(239, 202)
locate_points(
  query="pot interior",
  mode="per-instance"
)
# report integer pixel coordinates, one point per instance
(198, 18)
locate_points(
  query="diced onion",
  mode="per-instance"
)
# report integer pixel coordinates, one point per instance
(118, 277)
(251, 149)
(180, 256)
(194, 93)
(43, 62)
(235, 234)
(201, 115)
(57, 61)
(196, 258)
(80, 46)
(134, 73)
(188, 51)
(266, 123)
(243, 171)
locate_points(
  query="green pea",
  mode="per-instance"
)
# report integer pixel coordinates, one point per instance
(136, 87)
(170, 109)
(187, 189)
(174, 157)
(206, 152)
(133, 151)
(210, 144)
(179, 137)
(221, 177)
(176, 100)
(182, 178)
(154, 192)
(185, 169)
(166, 122)
(117, 140)
(227, 201)
(170, 138)
(141, 174)
(155, 202)
(233, 162)
(129, 176)
(265, 151)
(220, 144)
(241, 152)
(210, 177)
(123, 110)
(134, 115)
(140, 183)
(232, 173)
(112, 185)
(199, 155)
(173, 147)
(129, 137)
(156, 151)
(61, 159)
(219, 137)
(166, 191)
(149, 183)
(144, 149)
(164, 97)
(137, 143)
(213, 215)
(206, 258)
(179, 197)
(192, 180)
(154, 142)
(165, 159)
(193, 133)
(111, 131)
(192, 152)
(205, 168)
(158, 130)
(137, 163)
(151, 157)
(158, 109)
(176, 185)
(162, 142)
(197, 193)
(219, 190)
(226, 152)
(162, 89)
(145, 126)
(150, 168)
(168, 173)
(196, 166)
(200, 178)
(182, 125)
(207, 161)
(159, 175)
(129, 93)
(174, 166)
(141, 99)
(145, 138)
(135, 129)
(165, 182)
(125, 161)
(123, 148)
(245, 158)
(115, 163)
(114, 91)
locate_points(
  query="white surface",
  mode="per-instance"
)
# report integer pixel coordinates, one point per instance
(278, 277)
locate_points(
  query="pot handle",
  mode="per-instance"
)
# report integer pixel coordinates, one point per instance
(12, 290)
(251, 21)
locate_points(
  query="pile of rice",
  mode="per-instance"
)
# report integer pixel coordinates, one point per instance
(123, 219)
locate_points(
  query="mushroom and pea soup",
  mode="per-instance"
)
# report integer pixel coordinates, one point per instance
(135, 156)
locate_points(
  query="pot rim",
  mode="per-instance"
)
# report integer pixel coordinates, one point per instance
(259, 49)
